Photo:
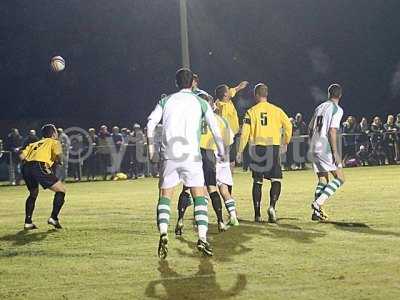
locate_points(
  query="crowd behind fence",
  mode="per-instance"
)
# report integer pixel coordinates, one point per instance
(123, 154)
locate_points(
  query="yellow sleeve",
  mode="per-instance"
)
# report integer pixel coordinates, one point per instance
(25, 152)
(232, 92)
(219, 107)
(287, 127)
(56, 149)
(244, 137)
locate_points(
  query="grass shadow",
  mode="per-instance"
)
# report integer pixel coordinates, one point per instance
(227, 244)
(360, 228)
(294, 232)
(287, 231)
(24, 237)
(200, 285)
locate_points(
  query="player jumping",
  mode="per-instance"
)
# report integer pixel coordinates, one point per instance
(210, 165)
(38, 159)
(324, 150)
(263, 124)
(181, 114)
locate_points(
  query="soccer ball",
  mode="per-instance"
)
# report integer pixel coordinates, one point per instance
(57, 64)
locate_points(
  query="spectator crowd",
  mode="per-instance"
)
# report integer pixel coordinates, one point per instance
(122, 153)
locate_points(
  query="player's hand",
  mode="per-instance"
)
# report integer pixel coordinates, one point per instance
(221, 158)
(239, 158)
(151, 150)
(337, 160)
(243, 85)
(284, 148)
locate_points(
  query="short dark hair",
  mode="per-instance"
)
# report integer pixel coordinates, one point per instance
(335, 91)
(261, 90)
(48, 130)
(184, 78)
(196, 78)
(220, 91)
(203, 96)
(206, 97)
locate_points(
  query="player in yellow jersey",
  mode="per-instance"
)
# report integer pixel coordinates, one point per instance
(207, 150)
(38, 159)
(262, 128)
(227, 110)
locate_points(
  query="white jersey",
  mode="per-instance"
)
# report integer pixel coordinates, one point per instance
(327, 115)
(181, 114)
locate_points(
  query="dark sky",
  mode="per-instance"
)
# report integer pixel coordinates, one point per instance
(122, 54)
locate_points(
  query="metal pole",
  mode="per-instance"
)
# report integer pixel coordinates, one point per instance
(184, 34)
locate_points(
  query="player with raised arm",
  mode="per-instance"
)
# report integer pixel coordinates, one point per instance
(324, 150)
(262, 126)
(38, 159)
(210, 165)
(227, 110)
(181, 114)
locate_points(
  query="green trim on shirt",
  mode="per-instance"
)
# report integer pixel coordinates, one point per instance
(163, 101)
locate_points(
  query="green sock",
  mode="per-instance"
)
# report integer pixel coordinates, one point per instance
(201, 216)
(163, 214)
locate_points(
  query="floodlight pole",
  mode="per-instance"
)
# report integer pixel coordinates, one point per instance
(184, 34)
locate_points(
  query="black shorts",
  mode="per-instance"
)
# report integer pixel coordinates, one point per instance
(233, 149)
(209, 167)
(265, 162)
(35, 172)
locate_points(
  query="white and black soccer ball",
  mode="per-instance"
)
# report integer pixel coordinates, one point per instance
(57, 64)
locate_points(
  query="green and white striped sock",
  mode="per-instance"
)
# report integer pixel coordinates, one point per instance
(201, 217)
(329, 190)
(163, 214)
(318, 190)
(231, 207)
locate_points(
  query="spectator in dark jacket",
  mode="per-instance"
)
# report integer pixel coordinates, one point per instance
(62, 170)
(351, 129)
(300, 128)
(390, 139)
(138, 140)
(363, 139)
(376, 130)
(118, 142)
(91, 148)
(31, 138)
(104, 150)
(397, 123)
(13, 144)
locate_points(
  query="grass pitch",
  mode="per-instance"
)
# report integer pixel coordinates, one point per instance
(108, 247)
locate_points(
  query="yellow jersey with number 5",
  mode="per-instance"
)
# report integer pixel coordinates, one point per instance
(263, 124)
(46, 150)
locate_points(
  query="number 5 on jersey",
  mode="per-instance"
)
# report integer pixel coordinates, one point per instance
(264, 119)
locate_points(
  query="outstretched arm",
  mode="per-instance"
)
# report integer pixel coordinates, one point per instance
(152, 121)
(241, 86)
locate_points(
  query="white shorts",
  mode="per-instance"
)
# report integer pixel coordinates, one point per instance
(224, 174)
(323, 162)
(190, 173)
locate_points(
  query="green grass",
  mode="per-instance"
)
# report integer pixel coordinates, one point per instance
(108, 247)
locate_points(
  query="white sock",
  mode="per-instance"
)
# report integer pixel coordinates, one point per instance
(231, 207)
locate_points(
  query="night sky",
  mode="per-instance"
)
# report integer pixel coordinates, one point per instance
(122, 54)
